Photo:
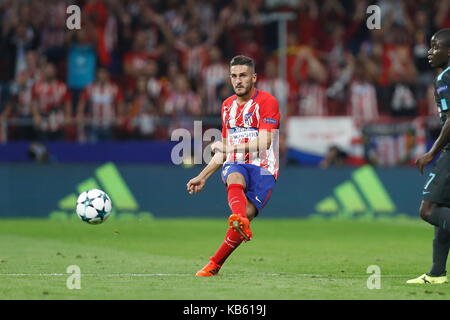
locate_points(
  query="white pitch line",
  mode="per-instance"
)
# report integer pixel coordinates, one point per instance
(94, 275)
(313, 276)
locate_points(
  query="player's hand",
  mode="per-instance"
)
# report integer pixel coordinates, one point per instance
(423, 160)
(218, 147)
(195, 185)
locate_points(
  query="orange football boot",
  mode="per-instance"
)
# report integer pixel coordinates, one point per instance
(241, 225)
(211, 269)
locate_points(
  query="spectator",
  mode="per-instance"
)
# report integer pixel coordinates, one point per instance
(311, 80)
(214, 77)
(157, 89)
(101, 107)
(335, 157)
(147, 44)
(420, 56)
(82, 60)
(143, 112)
(335, 65)
(193, 53)
(182, 104)
(21, 95)
(51, 105)
(272, 83)
(363, 105)
(52, 28)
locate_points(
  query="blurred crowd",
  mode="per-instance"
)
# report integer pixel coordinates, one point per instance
(137, 69)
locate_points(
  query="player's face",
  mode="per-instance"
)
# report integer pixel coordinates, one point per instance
(438, 55)
(243, 79)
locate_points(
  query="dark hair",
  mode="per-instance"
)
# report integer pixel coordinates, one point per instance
(444, 36)
(243, 60)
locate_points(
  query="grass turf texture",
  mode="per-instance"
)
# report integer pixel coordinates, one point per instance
(156, 259)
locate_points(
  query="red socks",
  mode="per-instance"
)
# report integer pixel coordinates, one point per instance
(237, 200)
(238, 204)
(232, 240)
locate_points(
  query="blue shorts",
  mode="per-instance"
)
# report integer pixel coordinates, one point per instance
(259, 182)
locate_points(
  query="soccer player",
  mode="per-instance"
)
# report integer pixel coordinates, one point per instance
(435, 206)
(250, 123)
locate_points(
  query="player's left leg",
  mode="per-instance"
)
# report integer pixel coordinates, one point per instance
(441, 244)
(232, 240)
(238, 202)
(245, 185)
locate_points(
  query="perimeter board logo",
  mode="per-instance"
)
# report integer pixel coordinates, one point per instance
(108, 178)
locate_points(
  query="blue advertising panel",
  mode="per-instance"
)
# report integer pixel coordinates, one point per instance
(32, 190)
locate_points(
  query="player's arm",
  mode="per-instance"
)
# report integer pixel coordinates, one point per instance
(196, 184)
(444, 135)
(262, 142)
(269, 121)
(441, 142)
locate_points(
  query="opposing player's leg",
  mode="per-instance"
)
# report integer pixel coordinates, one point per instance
(435, 210)
(427, 279)
(436, 194)
(437, 215)
(441, 245)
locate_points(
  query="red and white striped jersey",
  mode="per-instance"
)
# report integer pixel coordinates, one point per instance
(214, 76)
(363, 102)
(103, 103)
(241, 124)
(313, 100)
(50, 95)
(50, 99)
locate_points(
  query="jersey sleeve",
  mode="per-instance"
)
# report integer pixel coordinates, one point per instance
(443, 92)
(269, 115)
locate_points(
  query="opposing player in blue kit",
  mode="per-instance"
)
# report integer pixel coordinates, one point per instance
(435, 206)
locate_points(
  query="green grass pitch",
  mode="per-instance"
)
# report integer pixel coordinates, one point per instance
(156, 259)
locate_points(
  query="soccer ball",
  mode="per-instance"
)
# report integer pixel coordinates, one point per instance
(93, 206)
